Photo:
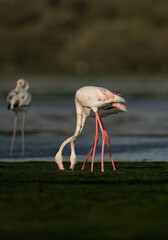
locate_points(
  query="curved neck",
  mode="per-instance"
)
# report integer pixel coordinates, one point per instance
(80, 121)
(75, 135)
(78, 132)
(27, 85)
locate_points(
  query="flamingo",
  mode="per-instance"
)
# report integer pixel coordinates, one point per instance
(18, 100)
(92, 101)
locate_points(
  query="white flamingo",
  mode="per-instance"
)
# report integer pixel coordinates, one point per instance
(95, 102)
(19, 100)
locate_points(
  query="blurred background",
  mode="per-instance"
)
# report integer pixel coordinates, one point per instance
(60, 45)
(91, 36)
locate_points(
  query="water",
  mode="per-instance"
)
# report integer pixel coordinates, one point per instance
(139, 135)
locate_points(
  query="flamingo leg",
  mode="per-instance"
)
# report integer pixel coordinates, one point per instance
(102, 158)
(14, 134)
(103, 140)
(87, 158)
(95, 143)
(93, 148)
(104, 136)
(108, 143)
(23, 124)
(111, 157)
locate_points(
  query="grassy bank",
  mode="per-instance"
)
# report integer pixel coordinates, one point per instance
(39, 202)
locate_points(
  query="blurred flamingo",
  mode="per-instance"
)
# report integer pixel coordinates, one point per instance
(18, 100)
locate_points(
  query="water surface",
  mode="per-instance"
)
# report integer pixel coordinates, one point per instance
(139, 135)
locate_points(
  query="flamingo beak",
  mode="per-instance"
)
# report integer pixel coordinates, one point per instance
(60, 166)
(121, 106)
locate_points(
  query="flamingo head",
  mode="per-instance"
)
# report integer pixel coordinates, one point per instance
(58, 160)
(21, 82)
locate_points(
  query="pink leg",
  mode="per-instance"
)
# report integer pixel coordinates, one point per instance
(92, 149)
(103, 140)
(108, 143)
(102, 158)
(87, 158)
(104, 136)
(95, 143)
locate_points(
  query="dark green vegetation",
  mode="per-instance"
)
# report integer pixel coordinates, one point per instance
(39, 202)
(84, 36)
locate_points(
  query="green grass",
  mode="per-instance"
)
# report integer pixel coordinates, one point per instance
(39, 202)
